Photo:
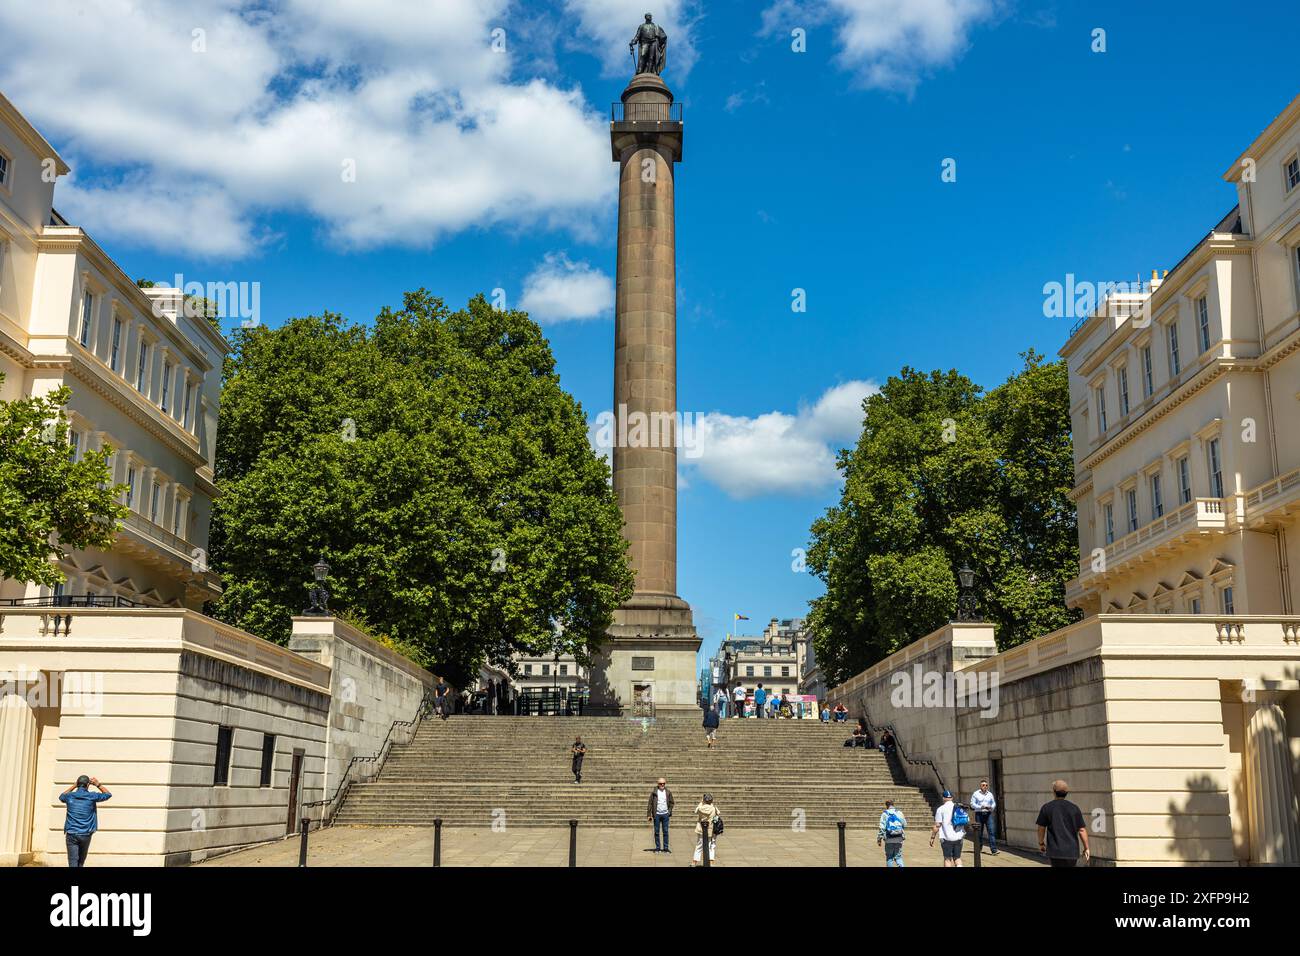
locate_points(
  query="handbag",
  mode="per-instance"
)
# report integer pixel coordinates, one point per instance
(717, 824)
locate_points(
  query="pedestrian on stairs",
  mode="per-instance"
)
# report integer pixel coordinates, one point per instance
(705, 815)
(760, 700)
(711, 722)
(659, 811)
(738, 702)
(579, 751)
(441, 698)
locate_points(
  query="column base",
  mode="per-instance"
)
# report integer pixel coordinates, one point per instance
(647, 666)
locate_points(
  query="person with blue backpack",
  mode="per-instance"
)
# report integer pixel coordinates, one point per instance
(890, 834)
(950, 822)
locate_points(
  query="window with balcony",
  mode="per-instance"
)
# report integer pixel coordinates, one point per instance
(1121, 377)
(87, 315)
(1157, 499)
(131, 472)
(1226, 603)
(1184, 480)
(1132, 498)
(1196, 605)
(1110, 524)
(1291, 173)
(1215, 463)
(1175, 363)
(1101, 410)
(1203, 322)
(154, 497)
(115, 352)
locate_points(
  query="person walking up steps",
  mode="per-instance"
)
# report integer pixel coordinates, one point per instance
(707, 819)
(579, 751)
(711, 722)
(738, 702)
(760, 699)
(659, 811)
(890, 834)
(950, 827)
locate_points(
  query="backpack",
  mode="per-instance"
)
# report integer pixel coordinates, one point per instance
(893, 824)
(960, 817)
(717, 824)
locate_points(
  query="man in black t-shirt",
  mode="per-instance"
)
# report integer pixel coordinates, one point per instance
(1061, 827)
(579, 750)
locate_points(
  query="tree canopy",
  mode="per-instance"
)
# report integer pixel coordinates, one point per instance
(436, 464)
(49, 502)
(944, 474)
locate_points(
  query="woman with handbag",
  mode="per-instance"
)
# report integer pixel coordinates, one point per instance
(707, 821)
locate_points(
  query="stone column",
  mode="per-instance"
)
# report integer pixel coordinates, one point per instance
(653, 638)
(1274, 815)
(17, 777)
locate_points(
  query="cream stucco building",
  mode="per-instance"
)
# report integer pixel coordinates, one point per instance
(145, 380)
(1173, 707)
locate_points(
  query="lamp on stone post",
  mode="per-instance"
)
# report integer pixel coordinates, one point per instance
(318, 595)
(967, 609)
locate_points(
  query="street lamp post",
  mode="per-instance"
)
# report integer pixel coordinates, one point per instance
(318, 595)
(967, 608)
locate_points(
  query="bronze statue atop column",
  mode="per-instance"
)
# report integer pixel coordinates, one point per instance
(649, 46)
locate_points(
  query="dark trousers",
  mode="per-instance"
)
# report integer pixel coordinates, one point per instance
(577, 767)
(78, 848)
(989, 830)
(661, 820)
(1061, 861)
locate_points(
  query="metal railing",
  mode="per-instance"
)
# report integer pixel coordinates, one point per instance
(72, 600)
(376, 760)
(546, 702)
(152, 529)
(645, 112)
(899, 750)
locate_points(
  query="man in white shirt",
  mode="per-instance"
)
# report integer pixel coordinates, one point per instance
(984, 803)
(950, 836)
(739, 702)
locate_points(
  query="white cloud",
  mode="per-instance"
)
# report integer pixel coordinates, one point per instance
(888, 44)
(280, 103)
(776, 453)
(612, 23)
(559, 290)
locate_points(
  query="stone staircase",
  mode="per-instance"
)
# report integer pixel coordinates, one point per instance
(474, 770)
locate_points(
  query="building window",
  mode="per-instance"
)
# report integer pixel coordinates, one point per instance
(166, 386)
(1225, 597)
(1203, 322)
(177, 505)
(87, 314)
(115, 356)
(546, 670)
(1157, 499)
(268, 759)
(130, 485)
(1132, 497)
(221, 771)
(185, 411)
(74, 445)
(1110, 523)
(1216, 468)
(4, 170)
(1175, 364)
(140, 369)
(1101, 409)
(1292, 171)
(528, 668)
(1196, 605)
(564, 669)
(153, 502)
(1184, 480)
(749, 670)
(785, 672)
(1148, 373)
(1121, 376)
(767, 671)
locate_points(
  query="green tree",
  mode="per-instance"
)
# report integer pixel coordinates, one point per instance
(943, 474)
(437, 465)
(48, 502)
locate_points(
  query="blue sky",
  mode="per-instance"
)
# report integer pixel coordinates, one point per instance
(208, 142)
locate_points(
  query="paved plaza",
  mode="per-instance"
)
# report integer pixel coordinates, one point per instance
(413, 846)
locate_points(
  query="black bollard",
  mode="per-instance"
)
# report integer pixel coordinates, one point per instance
(979, 840)
(573, 843)
(302, 847)
(844, 859)
(437, 841)
(704, 839)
